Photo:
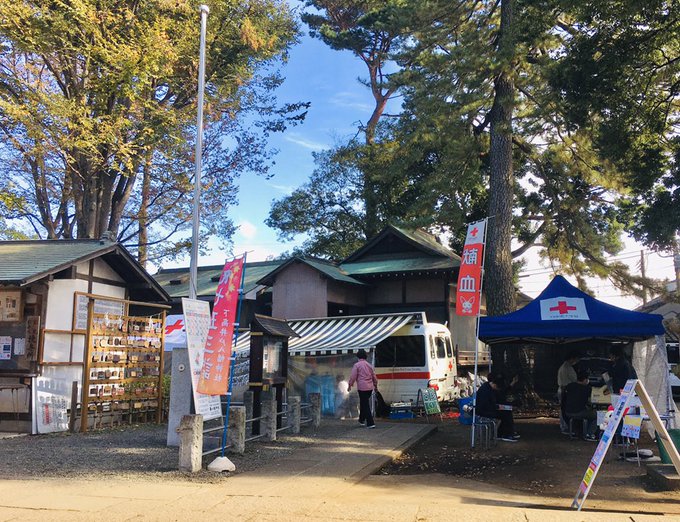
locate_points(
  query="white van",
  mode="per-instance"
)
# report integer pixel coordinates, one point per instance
(416, 356)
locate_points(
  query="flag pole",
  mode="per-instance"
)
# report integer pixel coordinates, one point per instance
(232, 358)
(222, 463)
(474, 386)
(193, 268)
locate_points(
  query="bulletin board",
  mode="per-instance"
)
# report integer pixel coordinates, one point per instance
(11, 307)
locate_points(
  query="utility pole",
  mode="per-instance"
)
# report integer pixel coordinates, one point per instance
(676, 264)
(643, 272)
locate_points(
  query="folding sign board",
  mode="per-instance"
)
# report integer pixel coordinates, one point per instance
(197, 323)
(633, 387)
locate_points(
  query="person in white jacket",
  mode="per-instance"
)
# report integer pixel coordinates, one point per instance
(565, 376)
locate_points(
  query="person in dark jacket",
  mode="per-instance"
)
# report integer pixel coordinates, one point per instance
(622, 369)
(486, 405)
(576, 397)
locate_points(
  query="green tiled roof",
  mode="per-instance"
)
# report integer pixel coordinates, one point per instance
(401, 242)
(425, 239)
(391, 265)
(327, 268)
(175, 281)
(25, 261)
(333, 271)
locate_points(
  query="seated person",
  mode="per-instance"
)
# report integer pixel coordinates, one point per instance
(487, 406)
(576, 396)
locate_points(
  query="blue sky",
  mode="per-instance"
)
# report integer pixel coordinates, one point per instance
(329, 80)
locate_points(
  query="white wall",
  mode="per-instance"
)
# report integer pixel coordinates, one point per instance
(53, 386)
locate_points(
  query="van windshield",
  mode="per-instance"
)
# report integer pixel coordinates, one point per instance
(407, 350)
(449, 350)
(441, 348)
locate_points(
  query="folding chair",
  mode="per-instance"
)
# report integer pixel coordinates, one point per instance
(486, 430)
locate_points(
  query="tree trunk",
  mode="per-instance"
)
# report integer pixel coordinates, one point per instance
(143, 249)
(369, 191)
(500, 291)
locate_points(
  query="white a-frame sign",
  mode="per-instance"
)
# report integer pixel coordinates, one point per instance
(633, 387)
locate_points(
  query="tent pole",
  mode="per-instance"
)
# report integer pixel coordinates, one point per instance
(373, 394)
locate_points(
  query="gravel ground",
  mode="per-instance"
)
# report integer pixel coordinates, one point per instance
(135, 452)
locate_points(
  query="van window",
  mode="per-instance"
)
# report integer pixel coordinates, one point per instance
(441, 348)
(407, 350)
(449, 350)
(432, 345)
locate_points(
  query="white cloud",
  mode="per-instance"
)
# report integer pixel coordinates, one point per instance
(247, 230)
(351, 100)
(303, 142)
(284, 189)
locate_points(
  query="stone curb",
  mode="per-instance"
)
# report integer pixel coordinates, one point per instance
(380, 461)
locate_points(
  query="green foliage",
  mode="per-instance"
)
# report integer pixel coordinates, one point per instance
(95, 96)
(620, 82)
(594, 100)
(326, 208)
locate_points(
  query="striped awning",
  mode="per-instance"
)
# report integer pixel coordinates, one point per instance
(338, 335)
(243, 343)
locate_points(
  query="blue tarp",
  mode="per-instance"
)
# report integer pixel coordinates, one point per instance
(563, 314)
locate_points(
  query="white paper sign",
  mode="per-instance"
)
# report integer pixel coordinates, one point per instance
(101, 306)
(5, 348)
(53, 397)
(19, 346)
(197, 323)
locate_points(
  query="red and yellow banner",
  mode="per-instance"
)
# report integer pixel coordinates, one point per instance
(469, 289)
(214, 377)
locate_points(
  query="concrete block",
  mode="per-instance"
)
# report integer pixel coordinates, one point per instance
(268, 423)
(191, 443)
(236, 430)
(294, 414)
(181, 395)
(664, 476)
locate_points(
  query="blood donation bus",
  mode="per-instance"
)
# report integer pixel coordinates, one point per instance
(416, 356)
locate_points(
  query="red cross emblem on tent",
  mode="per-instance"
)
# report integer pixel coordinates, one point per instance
(562, 308)
(570, 308)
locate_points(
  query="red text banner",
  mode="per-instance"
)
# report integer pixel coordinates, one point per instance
(469, 289)
(214, 378)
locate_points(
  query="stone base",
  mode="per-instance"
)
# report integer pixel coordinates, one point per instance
(221, 464)
(664, 476)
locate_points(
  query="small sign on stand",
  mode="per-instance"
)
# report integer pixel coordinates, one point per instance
(427, 398)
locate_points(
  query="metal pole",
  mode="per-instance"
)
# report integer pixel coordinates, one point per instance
(193, 269)
(232, 357)
(474, 385)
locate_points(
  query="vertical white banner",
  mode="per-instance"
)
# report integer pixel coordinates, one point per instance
(197, 323)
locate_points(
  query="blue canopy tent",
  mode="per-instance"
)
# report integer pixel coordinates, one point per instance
(564, 314)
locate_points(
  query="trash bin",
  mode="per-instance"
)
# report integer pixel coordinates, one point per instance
(675, 439)
(465, 417)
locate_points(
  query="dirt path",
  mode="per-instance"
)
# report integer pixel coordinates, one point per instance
(544, 465)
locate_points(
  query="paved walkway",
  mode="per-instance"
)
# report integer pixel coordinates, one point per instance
(328, 481)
